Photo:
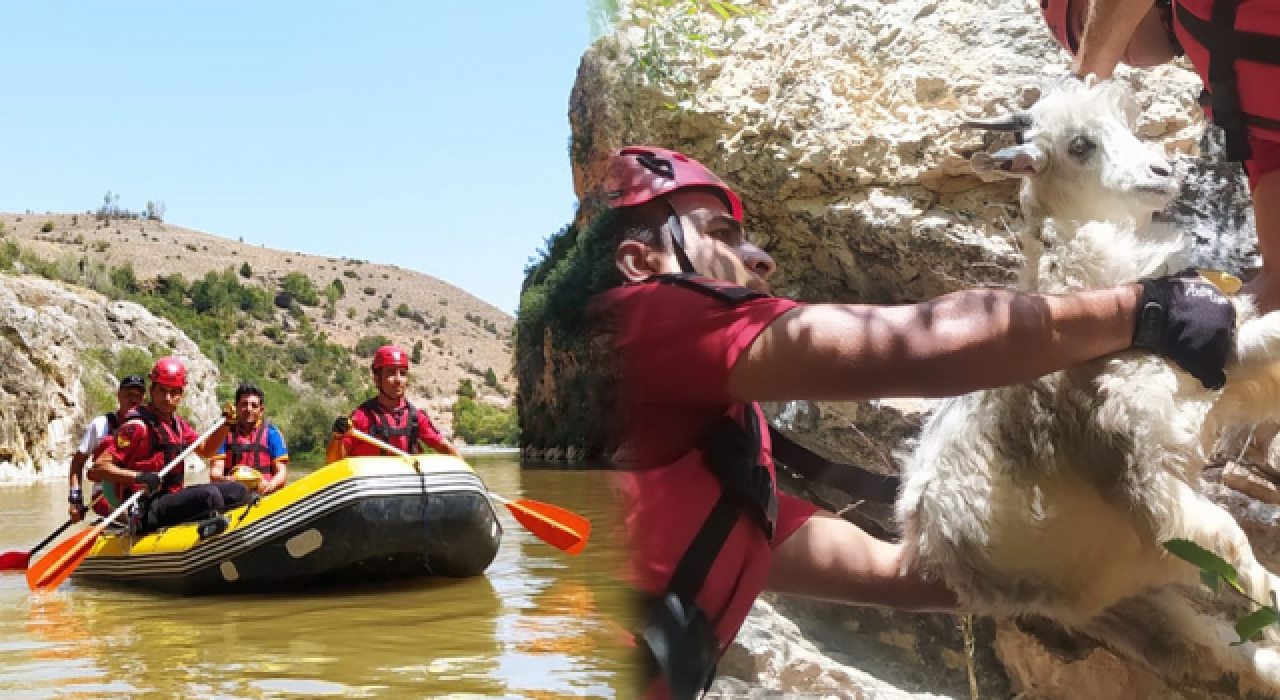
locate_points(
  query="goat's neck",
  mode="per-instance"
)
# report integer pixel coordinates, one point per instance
(1064, 255)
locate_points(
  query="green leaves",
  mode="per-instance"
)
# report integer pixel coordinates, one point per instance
(1212, 567)
(1250, 625)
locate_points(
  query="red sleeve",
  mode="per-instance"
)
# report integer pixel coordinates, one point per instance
(127, 443)
(355, 447)
(680, 345)
(189, 434)
(792, 513)
(427, 431)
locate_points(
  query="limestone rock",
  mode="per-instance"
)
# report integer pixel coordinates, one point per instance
(46, 332)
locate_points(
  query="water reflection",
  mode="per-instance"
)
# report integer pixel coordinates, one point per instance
(538, 625)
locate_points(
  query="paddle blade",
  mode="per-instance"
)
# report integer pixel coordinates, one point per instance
(562, 529)
(14, 560)
(53, 568)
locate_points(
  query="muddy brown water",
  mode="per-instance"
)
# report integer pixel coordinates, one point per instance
(538, 624)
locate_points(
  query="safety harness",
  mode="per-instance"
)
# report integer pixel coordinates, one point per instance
(381, 426)
(677, 634)
(256, 448)
(1226, 45)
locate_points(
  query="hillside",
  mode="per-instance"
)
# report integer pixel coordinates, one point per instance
(461, 336)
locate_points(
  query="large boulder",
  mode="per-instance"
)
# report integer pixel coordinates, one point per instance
(57, 344)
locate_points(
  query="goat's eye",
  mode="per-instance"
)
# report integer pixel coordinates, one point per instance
(1080, 146)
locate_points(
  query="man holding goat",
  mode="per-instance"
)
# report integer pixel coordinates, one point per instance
(699, 340)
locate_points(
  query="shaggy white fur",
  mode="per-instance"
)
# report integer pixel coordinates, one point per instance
(1053, 498)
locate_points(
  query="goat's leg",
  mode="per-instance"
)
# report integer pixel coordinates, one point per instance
(1163, 630)
(1212, 527)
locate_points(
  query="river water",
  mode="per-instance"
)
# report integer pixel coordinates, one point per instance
(537, 625)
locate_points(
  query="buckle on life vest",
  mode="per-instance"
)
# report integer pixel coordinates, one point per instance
(733, 457)
(681, 645)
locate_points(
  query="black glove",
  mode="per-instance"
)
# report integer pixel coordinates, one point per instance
(150, 479)
(1187, 319)
(341, 426)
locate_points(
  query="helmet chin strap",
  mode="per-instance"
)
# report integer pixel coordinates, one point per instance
(677, 240)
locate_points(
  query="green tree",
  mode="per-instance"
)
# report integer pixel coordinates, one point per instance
(465, 389)
(299, 287)
(245, 270)
(490, 378)
(482, 424)
(366, 346)
(416, 357)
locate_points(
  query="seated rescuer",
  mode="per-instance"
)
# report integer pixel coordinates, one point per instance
(152, 436)
(130, 394)
(252, 442)
(698, 340)
(387, 416)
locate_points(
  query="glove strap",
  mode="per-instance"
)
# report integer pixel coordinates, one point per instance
(1149, 325)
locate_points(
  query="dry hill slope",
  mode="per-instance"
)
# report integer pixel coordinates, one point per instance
(475, 335)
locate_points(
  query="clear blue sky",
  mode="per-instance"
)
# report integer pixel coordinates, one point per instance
(428, 134)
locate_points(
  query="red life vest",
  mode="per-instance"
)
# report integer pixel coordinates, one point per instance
(252, 450)
(383, 425)
(1235, 48)
(165, 444)
(680, 637)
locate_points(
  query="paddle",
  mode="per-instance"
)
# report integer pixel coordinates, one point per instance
(562, 529)
(56, 566)
(17, 560)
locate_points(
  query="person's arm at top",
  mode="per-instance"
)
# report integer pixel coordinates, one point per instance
(76, 511)
(1107, 30)
(280, 458)
(969, 340)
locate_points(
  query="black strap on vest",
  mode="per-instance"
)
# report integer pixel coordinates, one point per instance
(1226, 45)
(382, 428)
(160, 442)
(113, 423)
(257, 445)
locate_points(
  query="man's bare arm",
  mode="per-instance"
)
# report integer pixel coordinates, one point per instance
(957, 343)
(1107, 30)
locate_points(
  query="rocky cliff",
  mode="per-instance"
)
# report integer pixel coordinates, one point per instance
(59, 346)
(837, 122)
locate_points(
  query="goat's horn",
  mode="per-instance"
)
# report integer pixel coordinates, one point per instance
(1018, 121)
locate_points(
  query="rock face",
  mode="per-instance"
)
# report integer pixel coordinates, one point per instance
(837, 123)
(54, 343)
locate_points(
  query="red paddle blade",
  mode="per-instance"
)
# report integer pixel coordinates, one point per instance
(53, 568)
(14, 560)
(556, 526)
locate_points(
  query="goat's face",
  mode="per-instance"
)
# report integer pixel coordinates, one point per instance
(1079, 157)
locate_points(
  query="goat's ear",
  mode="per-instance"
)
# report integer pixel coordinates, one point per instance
(1024, 160)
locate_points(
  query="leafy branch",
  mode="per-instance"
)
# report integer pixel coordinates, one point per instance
(1213, 571)
(678, 36)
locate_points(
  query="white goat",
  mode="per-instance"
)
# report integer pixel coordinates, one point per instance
(1053, 498)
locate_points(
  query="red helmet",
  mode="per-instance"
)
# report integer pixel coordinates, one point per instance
(169, 372)
(390, 356)
(637, 174)
(1057, 14)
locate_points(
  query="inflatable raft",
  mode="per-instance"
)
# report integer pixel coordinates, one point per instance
(357, 520)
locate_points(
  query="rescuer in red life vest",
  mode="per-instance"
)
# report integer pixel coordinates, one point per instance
(387, 416)
(152, 436)
(1235, 47)
(253, 442)
(698, 340)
